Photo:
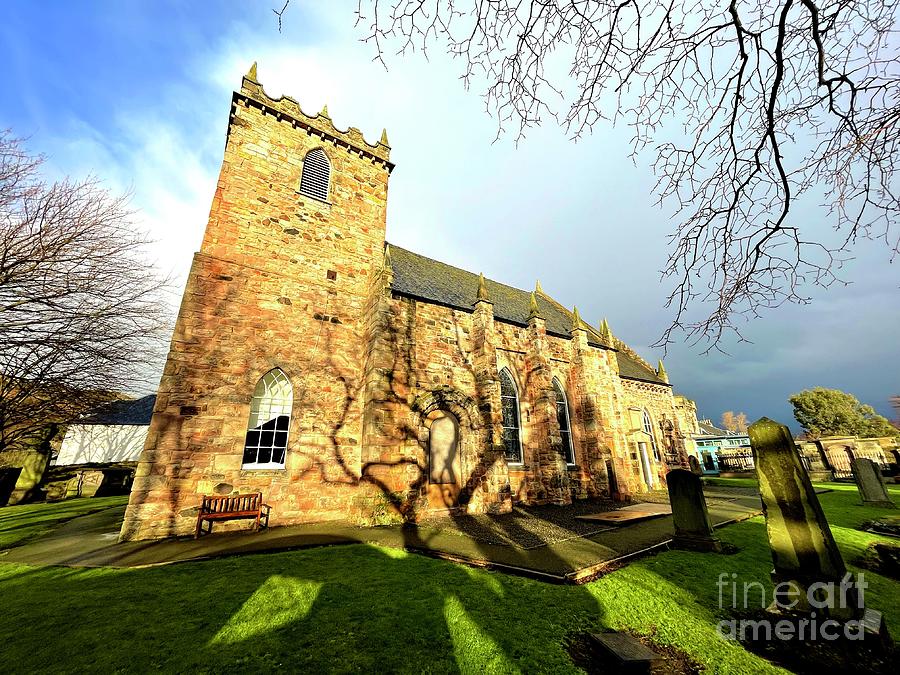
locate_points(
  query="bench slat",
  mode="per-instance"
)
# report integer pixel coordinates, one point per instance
(225, 507)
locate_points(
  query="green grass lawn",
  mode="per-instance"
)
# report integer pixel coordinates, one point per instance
(20, 523)
(364, 608)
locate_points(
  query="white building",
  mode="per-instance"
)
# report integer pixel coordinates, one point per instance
(114, 433)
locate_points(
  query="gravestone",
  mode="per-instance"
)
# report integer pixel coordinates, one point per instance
(870, 484)
(90, 483)
(694, 463)
(625, 653)
(692, 527)
(809, 572)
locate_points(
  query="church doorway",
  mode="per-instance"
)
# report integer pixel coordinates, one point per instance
(443, 460)
(646, 466)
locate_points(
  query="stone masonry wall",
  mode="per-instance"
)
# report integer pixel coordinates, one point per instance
(658, 401)
(429, 352)
(282, 280)
(286, 281)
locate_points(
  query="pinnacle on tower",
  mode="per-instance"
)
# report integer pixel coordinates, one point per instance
(384, 138)
(661, 372)
(576, 319)
(533, 312)
(537, 286)
(482, 290)
(604, 330)
(324, 112)
(251, 74)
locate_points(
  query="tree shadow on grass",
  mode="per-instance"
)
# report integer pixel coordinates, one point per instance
(335, 609)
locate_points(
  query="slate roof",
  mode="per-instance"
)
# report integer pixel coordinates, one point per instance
(426, 279)
(131, 412)
(707, 428)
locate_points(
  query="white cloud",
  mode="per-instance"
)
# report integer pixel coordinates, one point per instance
(578, 216)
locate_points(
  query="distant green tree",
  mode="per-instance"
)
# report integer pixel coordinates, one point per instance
(830, 412)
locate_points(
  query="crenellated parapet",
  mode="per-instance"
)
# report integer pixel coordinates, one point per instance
(288, 109)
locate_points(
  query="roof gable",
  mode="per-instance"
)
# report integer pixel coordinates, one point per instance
(130, 412)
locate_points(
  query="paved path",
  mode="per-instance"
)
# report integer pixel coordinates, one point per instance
(90, 541)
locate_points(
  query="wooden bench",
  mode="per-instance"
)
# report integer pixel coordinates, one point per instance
(232, 507)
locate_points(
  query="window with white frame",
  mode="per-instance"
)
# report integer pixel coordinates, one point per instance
(270, 421)
(562, 416)
(509, 403)
(316, 175)
(648, 429)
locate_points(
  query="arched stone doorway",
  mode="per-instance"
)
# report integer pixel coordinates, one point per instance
(444, 460)
(477, 470)
(443, 449)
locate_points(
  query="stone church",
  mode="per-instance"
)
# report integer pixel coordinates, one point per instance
(344, 377)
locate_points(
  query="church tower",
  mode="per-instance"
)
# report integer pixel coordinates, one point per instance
(262, 387)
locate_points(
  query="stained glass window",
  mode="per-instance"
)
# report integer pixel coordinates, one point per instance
(509, 402)
(562, 416)
(270, 421)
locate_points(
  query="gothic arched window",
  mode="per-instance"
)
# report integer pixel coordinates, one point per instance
(648, 429)
(565, 428)
(270, 420)
(316, 175)
(509, 403)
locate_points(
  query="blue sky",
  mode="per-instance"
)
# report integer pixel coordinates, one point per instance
(137, 93)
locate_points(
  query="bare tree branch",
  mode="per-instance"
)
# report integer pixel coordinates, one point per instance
(748, 106)
(81, 309)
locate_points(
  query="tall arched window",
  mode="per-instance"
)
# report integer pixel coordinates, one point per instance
(316, 175)
(565, 428)
(509, 403)
(270, 420)
(648, 429)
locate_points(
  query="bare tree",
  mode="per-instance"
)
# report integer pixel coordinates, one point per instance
(736, 423)
(749, 106)
(728, 421)
(81, 309)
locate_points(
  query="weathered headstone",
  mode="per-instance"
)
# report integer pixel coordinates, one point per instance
(694, 464)
(870, 483)
(809, 573)
(90, 483)
(692, 527)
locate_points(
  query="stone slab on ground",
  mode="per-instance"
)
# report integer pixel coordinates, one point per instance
(718, 495)
(622, 517)
(526, 527)
(627, 652)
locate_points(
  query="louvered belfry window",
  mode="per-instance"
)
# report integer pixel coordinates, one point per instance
(316, 175)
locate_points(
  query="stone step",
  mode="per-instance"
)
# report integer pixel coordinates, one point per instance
(622, 517)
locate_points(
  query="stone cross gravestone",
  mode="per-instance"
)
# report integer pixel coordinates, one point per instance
(870, 483)
(692, 527)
